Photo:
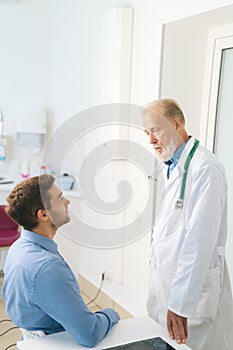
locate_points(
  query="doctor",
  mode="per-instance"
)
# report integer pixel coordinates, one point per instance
(189, 287)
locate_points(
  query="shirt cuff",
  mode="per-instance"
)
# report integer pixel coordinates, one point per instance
(112, 316)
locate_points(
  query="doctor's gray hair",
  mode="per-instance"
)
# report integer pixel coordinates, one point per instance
(166, 107)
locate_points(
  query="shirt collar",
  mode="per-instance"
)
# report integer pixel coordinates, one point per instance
(42, 241)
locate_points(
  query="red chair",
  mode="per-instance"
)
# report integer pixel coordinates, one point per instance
(9, 230)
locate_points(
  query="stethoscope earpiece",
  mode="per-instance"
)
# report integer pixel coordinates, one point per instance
(155, 173)
(151, 177)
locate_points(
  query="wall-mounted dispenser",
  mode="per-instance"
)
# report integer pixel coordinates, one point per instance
(32, 127)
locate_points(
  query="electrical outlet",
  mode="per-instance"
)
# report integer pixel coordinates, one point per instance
(105, 275)
(108, 276)
(101, 274)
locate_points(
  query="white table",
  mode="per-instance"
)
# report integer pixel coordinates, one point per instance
(125, 331)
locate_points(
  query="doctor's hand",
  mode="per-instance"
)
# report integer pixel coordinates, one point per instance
(177, 327)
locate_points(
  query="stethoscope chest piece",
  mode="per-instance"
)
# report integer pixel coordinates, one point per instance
(179, 204)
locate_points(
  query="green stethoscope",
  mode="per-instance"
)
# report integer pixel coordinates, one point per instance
(179, 202)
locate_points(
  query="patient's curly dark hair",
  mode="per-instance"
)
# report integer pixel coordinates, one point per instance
(27, 198)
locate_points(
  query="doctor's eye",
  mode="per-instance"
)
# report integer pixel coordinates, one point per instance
(155, 132)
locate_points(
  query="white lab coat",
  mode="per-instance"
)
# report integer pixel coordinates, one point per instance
(188, 272)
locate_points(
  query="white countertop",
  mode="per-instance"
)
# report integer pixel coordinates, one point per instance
(5, 189)
(9, 186)
(124, 332)
(72, 194)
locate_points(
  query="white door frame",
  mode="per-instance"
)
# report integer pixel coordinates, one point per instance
(220, 38)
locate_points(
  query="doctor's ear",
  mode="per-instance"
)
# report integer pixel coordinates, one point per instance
(177, 123)
(42, 215)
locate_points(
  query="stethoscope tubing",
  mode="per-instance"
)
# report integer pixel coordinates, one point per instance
(186, 166)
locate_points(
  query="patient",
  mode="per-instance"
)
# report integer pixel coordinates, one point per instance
(41, 293)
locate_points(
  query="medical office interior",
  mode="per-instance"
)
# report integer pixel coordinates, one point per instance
(62, 57)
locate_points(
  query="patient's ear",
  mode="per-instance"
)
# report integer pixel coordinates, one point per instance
(42, 215)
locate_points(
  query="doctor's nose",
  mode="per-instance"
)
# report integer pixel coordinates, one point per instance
(152, 138)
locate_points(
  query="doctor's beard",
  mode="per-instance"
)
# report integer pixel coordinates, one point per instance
(167, 151)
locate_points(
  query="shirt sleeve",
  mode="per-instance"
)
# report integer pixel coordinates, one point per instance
(57, 293)
(204, 213)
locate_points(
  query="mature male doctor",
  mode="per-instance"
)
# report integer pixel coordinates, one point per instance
(189, 286)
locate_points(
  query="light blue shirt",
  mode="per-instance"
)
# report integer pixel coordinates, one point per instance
(42, 293)
(174, 160)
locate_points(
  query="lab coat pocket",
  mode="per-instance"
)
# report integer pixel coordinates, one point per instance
(173, 221)
(208, 302)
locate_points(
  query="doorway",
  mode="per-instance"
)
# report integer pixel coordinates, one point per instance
(221, 123)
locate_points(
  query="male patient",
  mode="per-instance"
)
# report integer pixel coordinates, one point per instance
(40, 290)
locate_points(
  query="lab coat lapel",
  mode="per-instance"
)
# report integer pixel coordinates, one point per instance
(174, 174)
(177, 172)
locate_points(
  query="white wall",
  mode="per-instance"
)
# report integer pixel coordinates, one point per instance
(24, 61)
(52, 56)
(76, 62)
(184, 62)
(183, 69)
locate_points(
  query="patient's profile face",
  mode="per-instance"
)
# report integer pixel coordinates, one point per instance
(58, 212)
